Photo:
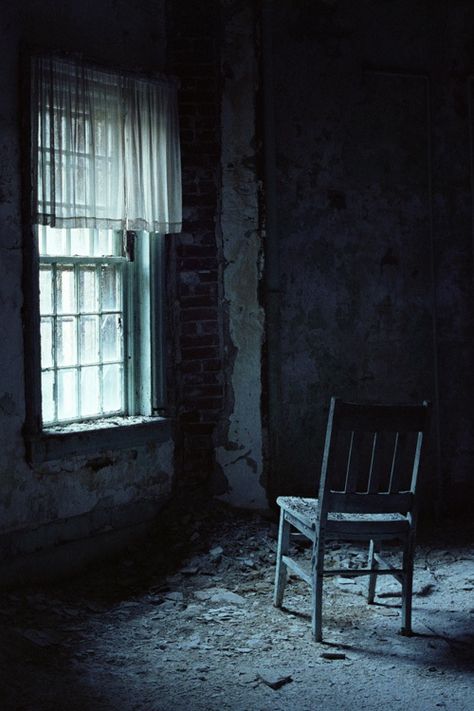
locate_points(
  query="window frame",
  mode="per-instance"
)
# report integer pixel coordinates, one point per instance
(108, 433)
(56, 264)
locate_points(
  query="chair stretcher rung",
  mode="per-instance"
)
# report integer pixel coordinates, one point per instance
(396, 572)
(346, 572)
(354, 572)
(297, 568)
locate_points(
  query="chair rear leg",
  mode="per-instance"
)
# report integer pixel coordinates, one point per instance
(317, 593)
(373, 549)
(281, 570)
(407, 589)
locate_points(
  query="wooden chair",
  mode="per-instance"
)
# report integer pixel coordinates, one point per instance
(367, 491)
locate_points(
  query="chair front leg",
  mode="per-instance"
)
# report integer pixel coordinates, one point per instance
(281, 569)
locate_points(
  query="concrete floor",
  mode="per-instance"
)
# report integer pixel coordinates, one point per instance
(185, 621)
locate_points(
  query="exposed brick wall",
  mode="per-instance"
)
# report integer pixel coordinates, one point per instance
(193, 56)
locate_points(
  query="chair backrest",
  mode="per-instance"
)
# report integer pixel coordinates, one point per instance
(371, 457)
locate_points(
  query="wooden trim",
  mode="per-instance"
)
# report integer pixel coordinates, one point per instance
(30, 282)
(50, 445)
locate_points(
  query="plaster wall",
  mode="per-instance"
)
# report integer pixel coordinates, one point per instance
(239, 454)
(374, 222)
(77, 496)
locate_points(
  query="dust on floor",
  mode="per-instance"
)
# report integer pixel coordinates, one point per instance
(185, 621)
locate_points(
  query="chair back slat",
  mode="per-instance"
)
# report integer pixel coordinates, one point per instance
(393, 478)
(352, 467)
(372, 482)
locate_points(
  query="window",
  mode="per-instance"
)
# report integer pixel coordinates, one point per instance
(106, 188)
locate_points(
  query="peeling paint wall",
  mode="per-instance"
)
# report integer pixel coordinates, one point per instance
(239, 451)
(74, 498)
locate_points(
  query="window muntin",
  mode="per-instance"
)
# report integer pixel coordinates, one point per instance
(83, 317)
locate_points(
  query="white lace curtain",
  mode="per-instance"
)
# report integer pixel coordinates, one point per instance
(107, 147)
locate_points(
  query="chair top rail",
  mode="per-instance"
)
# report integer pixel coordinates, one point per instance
(380, 417)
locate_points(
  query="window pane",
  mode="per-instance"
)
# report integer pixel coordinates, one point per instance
(107, 243)
(111, 286)
(90, 391)
(111, 337)
(46, 342)
(89, 339)
(67, 397)
(65, 292)
(56, 242)
(46, 290)
(47, 396)
(81, 242)
(82, 327)
(66, 348)
(88, 289)
(112, 388)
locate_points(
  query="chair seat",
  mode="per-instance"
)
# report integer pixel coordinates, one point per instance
(385, 525)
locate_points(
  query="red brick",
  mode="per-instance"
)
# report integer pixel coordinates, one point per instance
(211, 364)
(191, 366)
(189, 328)
(208, 276)
(208, 327)
(196, 250)
(198, 341)
(200, 427)
(210, 403)
(203, 300)
(201, 353)
(201, 378)
(198, 392)
(197, 263)
(199, 314)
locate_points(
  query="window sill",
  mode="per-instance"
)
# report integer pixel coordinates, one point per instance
(85, 438)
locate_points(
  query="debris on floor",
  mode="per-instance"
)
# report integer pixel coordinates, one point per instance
(184, 621)
(274, 680)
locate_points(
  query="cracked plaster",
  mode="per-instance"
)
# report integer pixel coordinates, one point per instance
(240, 456)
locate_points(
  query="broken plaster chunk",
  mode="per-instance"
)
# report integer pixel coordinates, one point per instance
(191, 569)
(174, 596)
(333, 655)
(273, 679)
(219, 595)
(344, 581)
(216, 552)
